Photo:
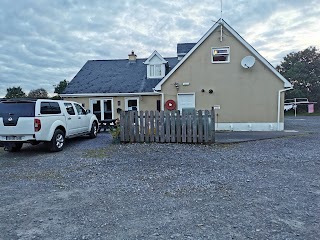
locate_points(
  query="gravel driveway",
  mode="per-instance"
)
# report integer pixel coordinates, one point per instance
(267, 189)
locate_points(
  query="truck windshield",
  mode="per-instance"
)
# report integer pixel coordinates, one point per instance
(18, 109)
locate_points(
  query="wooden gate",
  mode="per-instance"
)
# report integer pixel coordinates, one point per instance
(167, 126)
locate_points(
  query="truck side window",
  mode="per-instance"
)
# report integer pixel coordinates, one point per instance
(50, 108)
(80, 109)
(69, 108)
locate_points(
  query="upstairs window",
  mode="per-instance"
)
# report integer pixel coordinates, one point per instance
(155, 70)
(220, 55)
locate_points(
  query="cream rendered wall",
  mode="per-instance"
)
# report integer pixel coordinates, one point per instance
(244, 95)
(82, 101)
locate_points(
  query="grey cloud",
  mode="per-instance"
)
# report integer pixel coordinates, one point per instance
(47, 41)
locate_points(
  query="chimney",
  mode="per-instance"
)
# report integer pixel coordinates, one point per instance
(132, 57)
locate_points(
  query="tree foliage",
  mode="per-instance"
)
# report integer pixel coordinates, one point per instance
(61, 86)
(38, 93)
(302, 69)
(15, 92)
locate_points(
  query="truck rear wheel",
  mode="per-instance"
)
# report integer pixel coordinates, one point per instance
(57, 142)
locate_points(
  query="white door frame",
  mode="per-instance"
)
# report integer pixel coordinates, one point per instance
(101, 105)
(132, 98)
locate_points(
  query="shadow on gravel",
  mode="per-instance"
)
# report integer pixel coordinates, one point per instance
(40, 149)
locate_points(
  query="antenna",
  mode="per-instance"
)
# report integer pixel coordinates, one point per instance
(221, 10)
(221, 22)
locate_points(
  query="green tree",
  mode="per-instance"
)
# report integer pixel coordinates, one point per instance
(61, 86)
(302, 69)
(15, 92)
(38, 93)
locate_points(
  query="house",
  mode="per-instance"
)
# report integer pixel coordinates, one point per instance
(220, 71)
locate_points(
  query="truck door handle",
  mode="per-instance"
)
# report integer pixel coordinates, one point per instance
(69, 118)
(79, 117)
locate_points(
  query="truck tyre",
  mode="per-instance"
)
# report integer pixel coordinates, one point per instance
(13, 147)
(57, 142)
(94, 130)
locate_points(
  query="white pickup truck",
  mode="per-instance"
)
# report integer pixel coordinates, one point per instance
(43, 120)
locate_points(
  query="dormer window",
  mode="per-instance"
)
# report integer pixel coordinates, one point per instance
(156, 66)
(155, 70)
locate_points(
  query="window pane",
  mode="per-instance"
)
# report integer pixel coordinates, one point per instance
(50, 108)
(69, 108)
(132, 104)
(157, 70)
(80, 110)
(151, 70)
(26, 109)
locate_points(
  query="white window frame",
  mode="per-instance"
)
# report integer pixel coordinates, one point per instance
(152, 70)
(131, 98)
(225, 52)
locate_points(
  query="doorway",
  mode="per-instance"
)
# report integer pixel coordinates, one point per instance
(102, 108)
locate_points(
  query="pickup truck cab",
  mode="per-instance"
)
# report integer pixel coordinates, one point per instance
(43, 120)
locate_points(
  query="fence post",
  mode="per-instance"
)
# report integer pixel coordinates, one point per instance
(131, 126)
(178, 126)
(213, 126)
(162, 126)
(146, 129)
(206, 126)
(122, 126)
(136, 126)
(184, 127)
(173, 126)
(194, 127)
(141, 127)
(200, 127)
(157, 137)
(167, 114)
(151, 126)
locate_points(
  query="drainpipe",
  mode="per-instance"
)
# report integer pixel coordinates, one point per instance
(279, 105)
(162, 98)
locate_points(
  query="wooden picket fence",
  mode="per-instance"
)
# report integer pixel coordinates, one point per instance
(167, 126)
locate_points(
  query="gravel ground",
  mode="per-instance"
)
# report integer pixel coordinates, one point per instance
(94, 189)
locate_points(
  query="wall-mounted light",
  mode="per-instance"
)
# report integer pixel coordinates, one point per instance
(210, 91)
(186, 84)
(176, 85)
(202, 90)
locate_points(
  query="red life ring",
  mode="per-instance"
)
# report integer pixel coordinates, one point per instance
(170, 104)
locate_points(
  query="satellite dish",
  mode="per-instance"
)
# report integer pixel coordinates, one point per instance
(248, 61)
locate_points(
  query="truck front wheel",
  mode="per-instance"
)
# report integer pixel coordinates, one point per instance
(57, 142)
(94, 130)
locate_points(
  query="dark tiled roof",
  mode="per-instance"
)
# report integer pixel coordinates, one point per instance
(184, 47)
(114, 76)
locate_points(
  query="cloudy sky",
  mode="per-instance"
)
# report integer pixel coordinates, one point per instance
(43, 42)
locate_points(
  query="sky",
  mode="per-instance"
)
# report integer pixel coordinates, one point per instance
(43, 42)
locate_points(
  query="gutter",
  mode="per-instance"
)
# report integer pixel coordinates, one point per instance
(162, 98)
(109, 94)
(279, 105)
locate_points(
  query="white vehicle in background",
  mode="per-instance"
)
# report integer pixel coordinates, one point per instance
(43, 120)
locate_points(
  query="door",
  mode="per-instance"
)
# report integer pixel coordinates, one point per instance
(102, 108)
(72, 117)
(186, 101)
(83, 119)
